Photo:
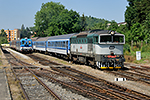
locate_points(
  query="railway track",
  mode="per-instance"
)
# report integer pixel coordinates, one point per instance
(109, 88)
(107, 85)
(72, 80)
(135, 73)
(32, 87)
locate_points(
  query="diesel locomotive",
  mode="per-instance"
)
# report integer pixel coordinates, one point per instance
(100, 48)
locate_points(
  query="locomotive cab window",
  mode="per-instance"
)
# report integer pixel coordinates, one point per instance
(105, 39)
(112, 39)
(119, 39)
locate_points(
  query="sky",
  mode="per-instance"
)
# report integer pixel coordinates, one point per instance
(14, 13)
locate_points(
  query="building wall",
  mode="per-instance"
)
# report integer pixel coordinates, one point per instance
(12, 34)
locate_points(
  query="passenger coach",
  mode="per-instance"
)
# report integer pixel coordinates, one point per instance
(40, 44)
(59, 44)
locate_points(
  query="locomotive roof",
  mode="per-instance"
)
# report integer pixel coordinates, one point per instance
(93, 33)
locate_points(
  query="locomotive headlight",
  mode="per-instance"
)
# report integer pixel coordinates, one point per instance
(112, 33)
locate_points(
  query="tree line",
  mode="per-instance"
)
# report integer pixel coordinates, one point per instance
(53, 19)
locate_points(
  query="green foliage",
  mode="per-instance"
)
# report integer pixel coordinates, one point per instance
(95, 23)
(113, 26)
(101, 25)
(137, 11)
(146, 48)
(54, 19)
(126, 47)
(3, 37)
(83, 23)
(24, 32)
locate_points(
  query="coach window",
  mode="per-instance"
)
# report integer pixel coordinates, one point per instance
(63, 43)
(67, 44)
(59, 44)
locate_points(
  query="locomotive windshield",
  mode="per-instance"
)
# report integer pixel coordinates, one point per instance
(105, 39)
(112, 39)
(118, 39)
(23, 42)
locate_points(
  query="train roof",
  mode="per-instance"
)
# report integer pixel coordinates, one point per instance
(34, 39)
(65, 36)
(95, 32)
(25, 39)
(42, 38)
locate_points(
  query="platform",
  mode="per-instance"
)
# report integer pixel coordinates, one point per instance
(4, 90)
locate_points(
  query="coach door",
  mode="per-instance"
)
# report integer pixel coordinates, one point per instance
(90, 45)
(45, 46)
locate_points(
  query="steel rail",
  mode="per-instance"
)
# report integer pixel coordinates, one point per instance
(25, 94)
(114, 93)
(74, 87)
(44, 85)
(113, 85)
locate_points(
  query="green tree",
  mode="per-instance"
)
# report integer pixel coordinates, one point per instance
(101, 25)
(137, 11)
(24, 32)
(136, 33)
(83, 23)
(3, 37)
(54, 19)
(113, 26)
(93, 23)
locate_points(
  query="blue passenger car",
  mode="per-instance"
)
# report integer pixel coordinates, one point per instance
(59, 44)
(40, 44)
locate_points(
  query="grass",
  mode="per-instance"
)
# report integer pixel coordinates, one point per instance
(0, 58)
(131, 57)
